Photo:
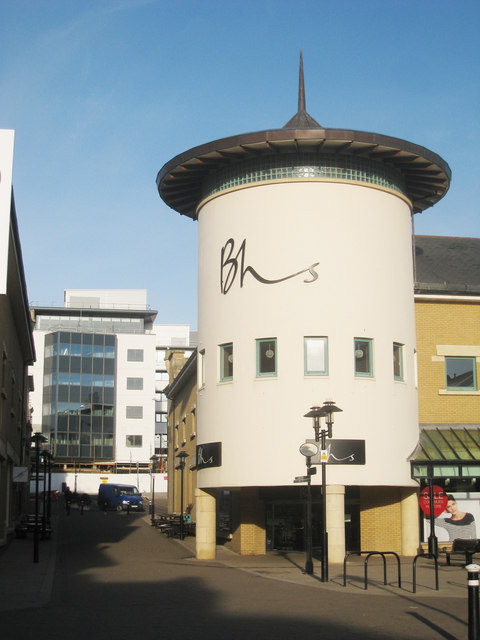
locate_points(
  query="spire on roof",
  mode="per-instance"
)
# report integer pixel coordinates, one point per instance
(302, 120)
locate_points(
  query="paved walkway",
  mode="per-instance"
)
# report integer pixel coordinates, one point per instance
(24, 583)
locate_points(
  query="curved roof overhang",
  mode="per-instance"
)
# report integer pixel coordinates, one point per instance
(427, 176)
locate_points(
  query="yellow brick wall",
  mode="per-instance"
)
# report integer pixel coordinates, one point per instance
(381, 519)
(248, 521)
(444, 323)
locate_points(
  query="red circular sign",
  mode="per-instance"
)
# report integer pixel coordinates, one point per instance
(439, 500)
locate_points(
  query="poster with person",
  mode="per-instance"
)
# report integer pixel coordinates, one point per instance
(459, 520)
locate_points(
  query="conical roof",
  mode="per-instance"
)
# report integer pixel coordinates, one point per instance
(426, 175)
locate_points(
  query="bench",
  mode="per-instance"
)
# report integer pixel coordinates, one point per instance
(28, 524)
(462, 547)
(170, 524)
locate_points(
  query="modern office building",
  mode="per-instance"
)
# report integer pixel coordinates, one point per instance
(17, 352)
(306, 295)
(95, 379)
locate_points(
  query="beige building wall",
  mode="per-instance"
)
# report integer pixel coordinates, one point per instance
(182, 430)
(446, 328)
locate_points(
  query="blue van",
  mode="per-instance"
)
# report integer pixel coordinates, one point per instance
(120, 497)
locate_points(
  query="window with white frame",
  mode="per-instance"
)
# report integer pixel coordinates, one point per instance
(134, 412)
(363, 357)
(134, 384)
(315, 356)
(398, 361)
(460, 373)
(135, 355)
(134, 441)
(226, 362)
(266, 357)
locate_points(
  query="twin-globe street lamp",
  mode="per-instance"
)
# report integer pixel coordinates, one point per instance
(326, 411)
(37, 439)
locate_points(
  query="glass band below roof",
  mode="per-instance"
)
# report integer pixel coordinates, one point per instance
(304, 166)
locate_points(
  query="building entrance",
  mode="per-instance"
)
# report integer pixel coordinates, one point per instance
(286, 526)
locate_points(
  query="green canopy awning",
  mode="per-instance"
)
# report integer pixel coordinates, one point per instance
(452, 449)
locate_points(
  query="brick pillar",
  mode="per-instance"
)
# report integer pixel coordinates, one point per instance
(381, 519)
(206, 524)
(410, 517)
(248, 520)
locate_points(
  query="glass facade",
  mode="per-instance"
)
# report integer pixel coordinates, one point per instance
(306, 166)
(79, 395)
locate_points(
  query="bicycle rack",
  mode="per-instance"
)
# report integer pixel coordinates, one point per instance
(424, 555)
(369, 554)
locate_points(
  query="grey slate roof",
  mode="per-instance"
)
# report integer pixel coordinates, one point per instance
(447, 265)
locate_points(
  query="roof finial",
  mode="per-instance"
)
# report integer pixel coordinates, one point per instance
(302, 120)
(301, 86)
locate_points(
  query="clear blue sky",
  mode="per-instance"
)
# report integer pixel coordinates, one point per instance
(102, 93)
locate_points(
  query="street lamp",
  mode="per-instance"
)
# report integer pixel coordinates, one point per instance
(153, 460)
(327, 411)
(37, 440)
(47, 491)
(309, 449)
(181, 465)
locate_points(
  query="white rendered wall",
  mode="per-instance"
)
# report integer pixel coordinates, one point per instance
(144, 398)
(362, 239)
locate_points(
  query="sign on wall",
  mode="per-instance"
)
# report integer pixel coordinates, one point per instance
(440, 500)
(340, 452)
(209, 455)
(459, 519)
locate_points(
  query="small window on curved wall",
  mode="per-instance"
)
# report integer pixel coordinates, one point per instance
(266, 357)
(363, 357)
(398, 361)
(201, 369)
(315, 356)
(226, 362)
(460, 373)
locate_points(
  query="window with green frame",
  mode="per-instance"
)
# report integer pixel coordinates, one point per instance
(363, 357)
(460, 373)
(266, 357)
(201, 369)
(315, 356)
(398, 361)
(226, 362)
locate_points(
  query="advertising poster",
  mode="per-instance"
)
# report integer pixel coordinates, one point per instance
(461, 518)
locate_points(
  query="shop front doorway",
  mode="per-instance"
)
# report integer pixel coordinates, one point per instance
(286, 525)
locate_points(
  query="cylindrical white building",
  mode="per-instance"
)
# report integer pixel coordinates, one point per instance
(306, 295)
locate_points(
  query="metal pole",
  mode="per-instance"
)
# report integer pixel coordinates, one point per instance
(309, 561)
(49, 495)
(324, 577)
(153, 499)
(182, 466)
(35, 529)
(45, 488)
(473, 615)
(432, 538)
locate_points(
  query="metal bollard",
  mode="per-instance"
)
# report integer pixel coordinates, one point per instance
(473, 617)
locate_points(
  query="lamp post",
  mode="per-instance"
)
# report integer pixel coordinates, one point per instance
(37, 439)
(432, 538)
(326, 411)
(153, 460)
(181, 465)
(309, 449)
